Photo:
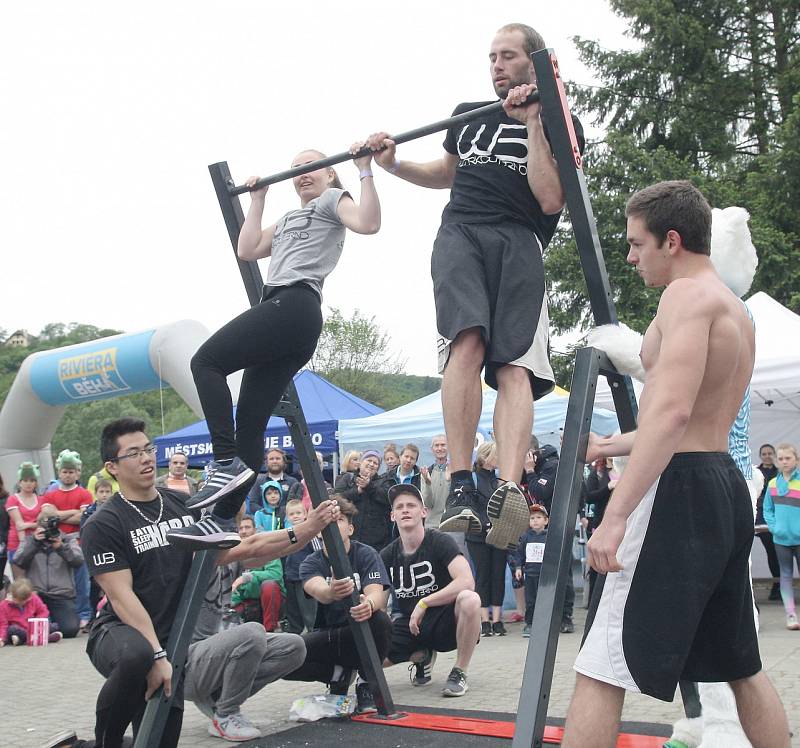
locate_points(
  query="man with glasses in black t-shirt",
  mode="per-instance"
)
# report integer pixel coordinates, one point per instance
(488, 277)
(143, 576)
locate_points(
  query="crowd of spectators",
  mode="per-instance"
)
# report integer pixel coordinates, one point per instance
(40, 543)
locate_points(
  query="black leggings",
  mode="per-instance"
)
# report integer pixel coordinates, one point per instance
(490, 572)
(271, 341)
(124, 657)
(330, 647)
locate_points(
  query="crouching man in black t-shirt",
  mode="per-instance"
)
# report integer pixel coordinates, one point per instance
(143, 576)
(331, 654)
(434, 591)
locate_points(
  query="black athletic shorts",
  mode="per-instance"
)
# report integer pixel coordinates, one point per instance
(682, 607)
(438, 632)
(491, 276)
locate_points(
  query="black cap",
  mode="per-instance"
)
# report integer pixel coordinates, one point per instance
(401, 488)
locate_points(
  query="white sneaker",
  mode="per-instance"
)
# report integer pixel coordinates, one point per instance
(792, 623)
(235, 727)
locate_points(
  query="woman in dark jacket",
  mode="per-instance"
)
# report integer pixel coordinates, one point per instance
(490, 562)
(365, 489)
(599, 486)
(5, 523)
(766, 454)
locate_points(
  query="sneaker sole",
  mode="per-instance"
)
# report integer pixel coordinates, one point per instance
(460, 523)
(215, 541)
(223, 491)
(510, 517)
(453, 694)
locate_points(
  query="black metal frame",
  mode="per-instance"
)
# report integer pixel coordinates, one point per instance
(589, 365)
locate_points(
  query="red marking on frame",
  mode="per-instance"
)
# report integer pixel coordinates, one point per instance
(576, 151)
(492, 728)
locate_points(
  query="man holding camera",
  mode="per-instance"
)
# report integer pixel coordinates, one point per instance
(48, 558)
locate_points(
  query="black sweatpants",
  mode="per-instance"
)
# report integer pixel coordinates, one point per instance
(330, 647)
(490, 572)
(271, 342)
(531, 590)
(124, 657)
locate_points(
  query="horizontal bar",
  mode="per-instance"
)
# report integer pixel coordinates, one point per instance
(420, 132)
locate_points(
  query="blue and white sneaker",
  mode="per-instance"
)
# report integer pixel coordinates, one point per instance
(205, 535)
(221, 480)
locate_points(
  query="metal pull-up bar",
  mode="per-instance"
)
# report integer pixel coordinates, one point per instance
(405, 137)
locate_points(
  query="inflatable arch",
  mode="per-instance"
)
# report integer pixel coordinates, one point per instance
(48, 381)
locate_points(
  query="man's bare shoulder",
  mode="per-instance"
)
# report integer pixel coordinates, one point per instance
(687, 297)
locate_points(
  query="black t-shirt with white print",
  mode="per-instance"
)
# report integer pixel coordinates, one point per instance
(367, 569)
(491, 182)
(116, 537)
(419, 574)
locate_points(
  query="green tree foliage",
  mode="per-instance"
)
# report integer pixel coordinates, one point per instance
(709, 95)
(352, 353)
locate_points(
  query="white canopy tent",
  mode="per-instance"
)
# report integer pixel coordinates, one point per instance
(421, 420)
(775, 387)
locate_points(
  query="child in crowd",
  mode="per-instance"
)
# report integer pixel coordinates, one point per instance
(270, 516)
(782, 515)
(301, 610)
(15, 613)
(264, 584)
(103, 491)
(527, 560)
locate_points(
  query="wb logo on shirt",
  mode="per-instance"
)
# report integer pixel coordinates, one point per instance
(507, 145)
(420, 582)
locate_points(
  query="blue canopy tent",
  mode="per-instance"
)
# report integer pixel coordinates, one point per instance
(421, 420)
(323, 404)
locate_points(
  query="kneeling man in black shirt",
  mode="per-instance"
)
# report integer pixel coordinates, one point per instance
(434, 591)
(143, 577)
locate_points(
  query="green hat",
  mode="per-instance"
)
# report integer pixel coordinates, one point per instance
(28, 471)
(69, 460)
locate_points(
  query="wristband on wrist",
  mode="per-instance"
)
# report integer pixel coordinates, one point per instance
(422, 604)
(365, 173)
(394, 167)
(292, 535)
(160, 655)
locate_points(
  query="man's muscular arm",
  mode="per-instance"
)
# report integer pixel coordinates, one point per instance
(684, 320)
(543, 176)
(437, 175)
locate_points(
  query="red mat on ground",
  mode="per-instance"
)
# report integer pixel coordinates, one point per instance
(492, 728)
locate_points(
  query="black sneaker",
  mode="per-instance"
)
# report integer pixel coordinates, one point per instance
(421, 671)
(365, 701)
(205, 535)
(567, 626)
(341, 686)
(486, 629)
(510, 516)
(221, 480)
(498, 629)
(460, 514)
(456, 683)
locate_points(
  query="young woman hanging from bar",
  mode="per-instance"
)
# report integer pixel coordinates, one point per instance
(273, 340)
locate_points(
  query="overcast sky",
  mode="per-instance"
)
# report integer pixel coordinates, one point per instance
(113, 111)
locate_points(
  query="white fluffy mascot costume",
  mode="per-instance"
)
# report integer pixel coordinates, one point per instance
(735, 260)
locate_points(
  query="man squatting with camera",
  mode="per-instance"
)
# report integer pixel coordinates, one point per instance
(143, 577)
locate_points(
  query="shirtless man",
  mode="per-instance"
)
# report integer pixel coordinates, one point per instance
(677, 532)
